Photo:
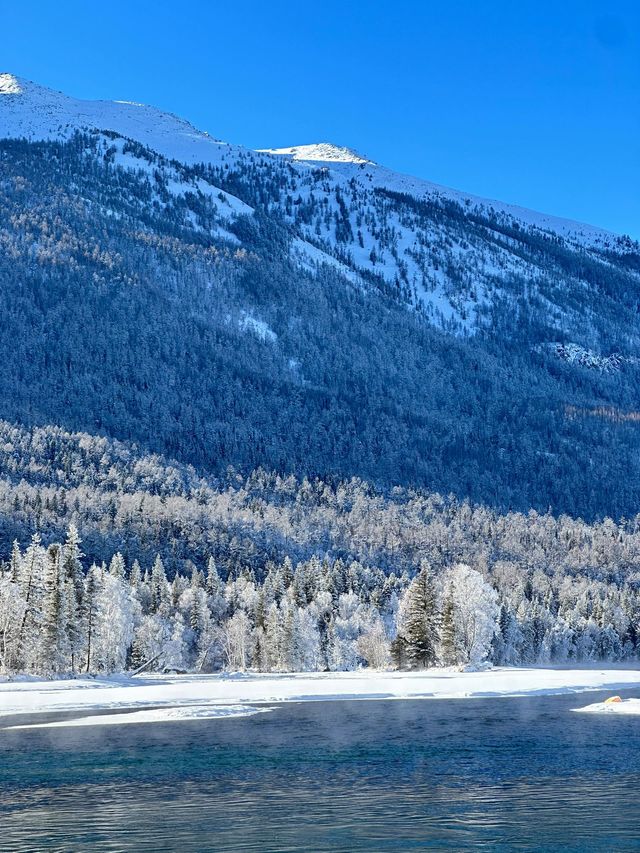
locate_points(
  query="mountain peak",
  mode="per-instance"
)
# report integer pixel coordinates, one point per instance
(10, 85)
(321, 151)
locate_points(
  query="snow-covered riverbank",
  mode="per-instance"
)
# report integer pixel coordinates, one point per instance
(176, 691)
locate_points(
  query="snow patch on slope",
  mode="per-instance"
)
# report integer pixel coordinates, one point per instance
(324, 152)
(9, 85)
(258, 327)
(577, 355)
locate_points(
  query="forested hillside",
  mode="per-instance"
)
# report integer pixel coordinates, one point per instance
(289, 410)
(141, 303)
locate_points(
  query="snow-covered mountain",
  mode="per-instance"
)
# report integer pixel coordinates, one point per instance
(310, 311)
(452, 255)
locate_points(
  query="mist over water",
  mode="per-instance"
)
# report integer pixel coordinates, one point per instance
(496, 774)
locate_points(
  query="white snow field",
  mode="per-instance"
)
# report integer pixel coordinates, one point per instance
(238, 690)
(626, 707)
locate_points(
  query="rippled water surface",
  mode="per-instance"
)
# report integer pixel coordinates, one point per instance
(482, 774)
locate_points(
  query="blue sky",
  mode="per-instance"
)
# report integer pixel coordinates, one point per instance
(531, 102)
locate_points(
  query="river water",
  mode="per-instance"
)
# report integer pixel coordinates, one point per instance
(480, 774)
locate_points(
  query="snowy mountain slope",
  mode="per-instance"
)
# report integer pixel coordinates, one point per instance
(35, 112)
(379, 176)
(242, 308)
(460, 260)
(452, 255)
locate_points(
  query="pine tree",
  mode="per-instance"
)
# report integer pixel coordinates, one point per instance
(159, 591)
(117, 567)
(213, 584)
(31, 576)
(14, 563)
(89, 610)
(73, 579)
(422, 621)
(399, 654)
(449, 652)
(135, 576)
(55, 652)
(273, 639)
(287, 573)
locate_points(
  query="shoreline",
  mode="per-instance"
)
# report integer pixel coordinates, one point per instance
(123, 692)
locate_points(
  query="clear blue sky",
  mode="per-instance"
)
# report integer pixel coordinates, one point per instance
(532, 102)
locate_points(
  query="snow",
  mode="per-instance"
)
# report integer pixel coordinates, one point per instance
(373, 175)
(257, 327)
(9, 85)
(324, 152)
(389, 241)
(575, 354)
(239, 689)
(156, 715)
(36, 112)
(626, 707)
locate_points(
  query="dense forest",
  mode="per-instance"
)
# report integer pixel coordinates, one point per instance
(329, 614)
(183, 320)
(159, 564)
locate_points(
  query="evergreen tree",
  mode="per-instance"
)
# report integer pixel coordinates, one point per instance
(73, 578)
(399, 652)
(55, 645)
(421, 624)
(159, 589)
(449, 652)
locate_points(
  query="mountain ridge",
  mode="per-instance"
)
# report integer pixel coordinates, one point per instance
(90, 111)
(310, 318)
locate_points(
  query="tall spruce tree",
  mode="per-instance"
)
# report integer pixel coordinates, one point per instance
(448, 649)
(421, 628)
(74, 585)
(56, 650)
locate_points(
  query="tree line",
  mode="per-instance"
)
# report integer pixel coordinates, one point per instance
(58, 616)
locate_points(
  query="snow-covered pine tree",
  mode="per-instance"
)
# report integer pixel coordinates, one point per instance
(448, 648)
(421, 622)
(89, 602)
(159, 589)
(74, 584)
(117, 566)
(273, 639)
(55, 647)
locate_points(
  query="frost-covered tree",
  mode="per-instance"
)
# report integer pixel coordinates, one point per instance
(114, 624)
(373, 647)
(476, 612)
(237, 641)
(420, 620)
(13, 608)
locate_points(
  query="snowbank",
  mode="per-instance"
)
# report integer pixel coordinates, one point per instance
(176, 691)
(627, 706)
(156, 715)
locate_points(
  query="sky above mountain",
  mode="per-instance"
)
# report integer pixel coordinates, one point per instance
(537, 104)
